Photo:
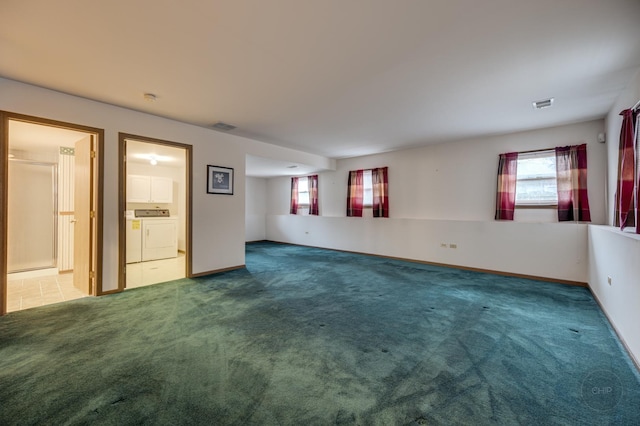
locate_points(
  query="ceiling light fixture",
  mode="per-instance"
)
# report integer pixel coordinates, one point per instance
(292, 167)
(545, 103)
(153, 157)
(150, 97)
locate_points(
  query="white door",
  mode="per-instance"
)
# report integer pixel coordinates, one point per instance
(31, 214)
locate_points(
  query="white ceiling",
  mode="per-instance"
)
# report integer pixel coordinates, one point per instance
(268, 167)
(29, 137)
(32, 138)
(143, 152)
(333, 77)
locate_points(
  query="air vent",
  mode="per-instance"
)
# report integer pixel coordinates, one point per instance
(546, 103)
(223, 126)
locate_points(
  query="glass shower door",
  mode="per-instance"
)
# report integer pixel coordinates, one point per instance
(32, 221)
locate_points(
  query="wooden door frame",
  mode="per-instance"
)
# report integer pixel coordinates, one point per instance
(122, 201)
(5, 117)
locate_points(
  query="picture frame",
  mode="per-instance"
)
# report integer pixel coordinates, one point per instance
(219, 180)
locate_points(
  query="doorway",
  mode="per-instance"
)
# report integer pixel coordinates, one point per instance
(155, 211)
(51, 211)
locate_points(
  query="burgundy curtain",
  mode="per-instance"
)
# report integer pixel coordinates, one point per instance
(313, 195)
(637, 147)
(506, 194)
(355, 193)
(571, 169)
(294, 196)
(624, 208)
(380, 184)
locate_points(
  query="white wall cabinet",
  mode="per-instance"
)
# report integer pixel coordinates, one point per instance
(149, 189)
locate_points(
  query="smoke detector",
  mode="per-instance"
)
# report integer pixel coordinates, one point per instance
(545, 103)
(223, 126)
(149, 97)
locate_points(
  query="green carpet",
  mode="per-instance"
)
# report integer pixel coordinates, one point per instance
(308, 336)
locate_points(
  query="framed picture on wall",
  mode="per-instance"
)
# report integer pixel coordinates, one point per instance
(219, 180)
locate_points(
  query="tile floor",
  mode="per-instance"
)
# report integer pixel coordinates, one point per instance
(25, 291)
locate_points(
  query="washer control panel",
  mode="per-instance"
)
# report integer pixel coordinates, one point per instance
(152, 213)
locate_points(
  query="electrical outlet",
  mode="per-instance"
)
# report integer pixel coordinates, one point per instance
(609, 280)
(443, 245)
(453, 246)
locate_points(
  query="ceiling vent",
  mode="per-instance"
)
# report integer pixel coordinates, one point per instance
(223, 126)
(546, 103)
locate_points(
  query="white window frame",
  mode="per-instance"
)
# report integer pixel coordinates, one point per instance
(367, 188)
(304, 179)
(536, 203)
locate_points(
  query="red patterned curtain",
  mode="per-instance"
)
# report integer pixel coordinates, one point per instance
(313, 195)
(637, 146)
(506, 194)
(355, 193)
(294, 196)
(571, 169)
(624, 208)
(380, 184)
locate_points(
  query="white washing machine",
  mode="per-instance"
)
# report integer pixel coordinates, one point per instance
(159, 238)
(151, 234)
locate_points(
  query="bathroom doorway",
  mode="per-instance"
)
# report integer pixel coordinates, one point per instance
(51, 211)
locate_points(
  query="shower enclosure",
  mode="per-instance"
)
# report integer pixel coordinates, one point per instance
(32, 216)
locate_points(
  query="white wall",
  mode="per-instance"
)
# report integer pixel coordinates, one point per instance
(550, 250)
(613, 121)
(453, 181)
(256, 209)
(445, 194)
(218, 220)
(615, 254)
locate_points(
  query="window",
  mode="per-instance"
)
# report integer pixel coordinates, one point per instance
(544, 178)
(536, 183)
(367, 188)
(303, 192)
